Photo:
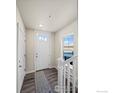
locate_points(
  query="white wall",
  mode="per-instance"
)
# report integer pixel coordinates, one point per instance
(71, 28)
(55, 45)
(19, 19)
(30, 66)
(52, 49)
(21, 50)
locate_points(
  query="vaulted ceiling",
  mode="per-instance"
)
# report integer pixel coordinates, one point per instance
(47, 15)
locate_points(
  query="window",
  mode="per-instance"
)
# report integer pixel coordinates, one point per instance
(42, 37)
(68, 47)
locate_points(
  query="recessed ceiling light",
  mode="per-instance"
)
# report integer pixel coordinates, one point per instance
(41, 25)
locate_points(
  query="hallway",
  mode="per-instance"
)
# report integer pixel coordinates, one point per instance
(44, 35)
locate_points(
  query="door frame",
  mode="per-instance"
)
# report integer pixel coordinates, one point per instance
(23, 67)
(17, 29)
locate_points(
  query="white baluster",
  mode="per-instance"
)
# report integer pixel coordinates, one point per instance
(74, 75)
(76, 72)
(60, 71)
(68, 78)
(64, 74)
(59, 74)
(64, 85)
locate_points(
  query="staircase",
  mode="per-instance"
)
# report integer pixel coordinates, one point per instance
(68, 75)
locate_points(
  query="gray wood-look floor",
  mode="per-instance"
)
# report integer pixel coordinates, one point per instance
(43, 81)
(29, 84)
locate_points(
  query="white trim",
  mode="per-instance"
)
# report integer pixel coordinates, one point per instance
(53, 66)
(28, 72)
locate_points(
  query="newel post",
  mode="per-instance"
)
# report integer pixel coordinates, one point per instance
(60, 75)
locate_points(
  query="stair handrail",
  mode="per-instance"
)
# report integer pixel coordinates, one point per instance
(61, 67)
(63, 62)
(69, 60)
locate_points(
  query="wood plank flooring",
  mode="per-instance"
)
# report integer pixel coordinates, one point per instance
(43, 81)
(29, 84)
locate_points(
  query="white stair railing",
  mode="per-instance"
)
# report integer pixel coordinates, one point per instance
(67, 73)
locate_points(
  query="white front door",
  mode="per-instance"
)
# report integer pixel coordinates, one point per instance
(20, 57)
(42, 50)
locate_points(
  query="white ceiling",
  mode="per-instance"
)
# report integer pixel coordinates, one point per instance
(52, 14)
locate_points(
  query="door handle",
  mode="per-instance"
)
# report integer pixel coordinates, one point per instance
(20, 65)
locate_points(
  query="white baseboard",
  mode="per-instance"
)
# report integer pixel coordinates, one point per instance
(56, 67)
(28, 72)
(53, 67)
